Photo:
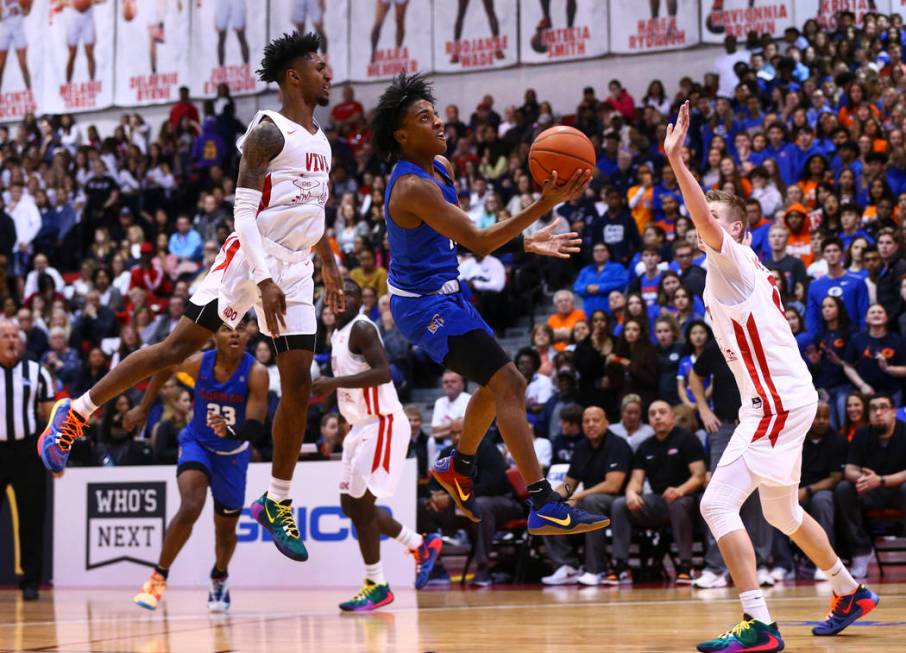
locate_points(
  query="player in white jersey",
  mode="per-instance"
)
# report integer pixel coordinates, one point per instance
(778, 406)
(230, 14)
(12, 36)
(80, 29)
(279, 218)
(313, 10)
(374, 450)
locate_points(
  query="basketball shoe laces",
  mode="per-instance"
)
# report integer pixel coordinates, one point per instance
(737, 630)
(71, 430)
(836, 602)
(285, 514)
(365, 592)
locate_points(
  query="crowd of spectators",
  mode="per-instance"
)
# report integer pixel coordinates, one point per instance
(103, 239)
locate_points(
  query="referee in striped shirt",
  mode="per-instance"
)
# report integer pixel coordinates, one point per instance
(26, 398)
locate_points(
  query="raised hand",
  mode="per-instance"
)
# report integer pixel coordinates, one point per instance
(676, 134)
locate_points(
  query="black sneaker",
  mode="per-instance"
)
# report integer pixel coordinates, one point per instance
(30, 593)
(619, 574)
(683, 574)
(483, 578)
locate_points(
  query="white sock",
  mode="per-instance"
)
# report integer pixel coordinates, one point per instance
(840, 579)
(375, 573)
(279, 489)
(409, 538)
(84, 406)
(754, 605)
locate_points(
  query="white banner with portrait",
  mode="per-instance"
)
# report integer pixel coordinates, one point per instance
(389, 36)
(475, 35)
(77, 46)
(738, 18)
(652, 26)
(226, 43)
(571, 30)
(825, 11)
(152, 51)
(22, 25)
(330, 19)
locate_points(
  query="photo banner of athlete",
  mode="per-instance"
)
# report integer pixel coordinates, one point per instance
(389, 36)
(573, 29)
(825, 11)
(22, 24)
(152, 51)
(227, 39)
(114, 520)
(653, 26)
(330, 19)
(77, 45)
(475, 35)
(739, 17)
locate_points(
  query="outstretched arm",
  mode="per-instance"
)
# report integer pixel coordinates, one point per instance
(420, 200)
(693, 197)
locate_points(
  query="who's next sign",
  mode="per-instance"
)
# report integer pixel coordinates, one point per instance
(125, 522)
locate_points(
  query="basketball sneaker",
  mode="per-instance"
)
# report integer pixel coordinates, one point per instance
(425, 557)
(458, 486)
(151, 593)
(560, 518)
(683, 574)
(619, 574)
(371, 597)
(748, 635)
(219, 595)
(846, 609)
(278, 519)
(65, 427)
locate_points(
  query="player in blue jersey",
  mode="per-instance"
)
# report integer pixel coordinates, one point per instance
(229, 411)
(424, 223)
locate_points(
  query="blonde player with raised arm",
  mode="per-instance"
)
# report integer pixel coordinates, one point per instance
(778, 406)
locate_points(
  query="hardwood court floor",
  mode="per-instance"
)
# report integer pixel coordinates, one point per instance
(525, 620)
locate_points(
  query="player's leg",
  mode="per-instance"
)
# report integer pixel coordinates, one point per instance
(376, 591)
(546, 10)
(70, 62)
(381, 7)
(152, 53)
(193, 476)
(494, 24)
(89, 59)
(460, 18)
(221, 47)
(570, 12)
(22, 56)
(3, 54)
(243, 45)
(400, 13)
(228, 477)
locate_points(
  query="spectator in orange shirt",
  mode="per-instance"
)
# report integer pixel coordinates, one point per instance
(641, 198)
(565, 318)
(799, 243)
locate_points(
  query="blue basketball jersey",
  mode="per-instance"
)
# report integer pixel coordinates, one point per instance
(422, 260)
(226, 399)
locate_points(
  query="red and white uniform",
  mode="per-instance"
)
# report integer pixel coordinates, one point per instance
(374, 450)
(290, 221)
(778, 398)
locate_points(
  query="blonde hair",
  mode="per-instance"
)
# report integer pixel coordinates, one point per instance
(735, 203)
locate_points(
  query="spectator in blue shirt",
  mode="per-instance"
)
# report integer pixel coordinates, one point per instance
(185, 243)
(836, 283)
(896, 171)
(819, 105)
(850, 223)
(876, 358)
(596, 281)
(607, 161)
(794, 156)
(668, 186)
(825, 356)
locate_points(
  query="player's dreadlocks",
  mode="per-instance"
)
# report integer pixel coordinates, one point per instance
(403, 91)
(280, 53)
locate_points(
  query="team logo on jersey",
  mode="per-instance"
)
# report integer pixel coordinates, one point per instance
(125, 522)
(730, 355)
(436, 323)
(836, 291)
(311, 191)
(756, 402)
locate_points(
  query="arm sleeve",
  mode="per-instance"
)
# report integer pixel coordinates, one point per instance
(732, 271)
(246, 208)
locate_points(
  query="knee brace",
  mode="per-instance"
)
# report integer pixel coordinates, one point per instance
(720, 508)
(781, 508)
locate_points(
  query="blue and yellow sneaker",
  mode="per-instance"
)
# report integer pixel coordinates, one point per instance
(65, 427)
(425, 557)
(560, 518)
(749, 635)
(278, 519)
(846, 609)
(371, 597)
(459, 487)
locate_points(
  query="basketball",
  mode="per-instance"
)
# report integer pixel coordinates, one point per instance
(563, 149)
(81, 5)
(129, 10)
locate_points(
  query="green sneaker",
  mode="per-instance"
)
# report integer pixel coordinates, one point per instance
(371, 597)
(278, 519)
(748, 635)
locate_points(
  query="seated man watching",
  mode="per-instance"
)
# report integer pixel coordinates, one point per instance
(600, 463)
(673, 462)
(874, 477)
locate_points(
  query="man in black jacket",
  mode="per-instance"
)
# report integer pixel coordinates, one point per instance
(616, 229)
(418, 447)
(893, 267)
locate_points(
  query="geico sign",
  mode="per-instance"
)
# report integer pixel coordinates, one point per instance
(316, 523)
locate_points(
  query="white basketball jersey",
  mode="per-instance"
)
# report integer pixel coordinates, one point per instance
(359, 405)
(295, 190)
(757, 342)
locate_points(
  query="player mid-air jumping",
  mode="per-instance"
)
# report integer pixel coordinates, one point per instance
(374, 450)
(424, 223)
(266, 263)
(229, 409)
(779, 405)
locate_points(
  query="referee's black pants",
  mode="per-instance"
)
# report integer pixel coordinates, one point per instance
(21, 468)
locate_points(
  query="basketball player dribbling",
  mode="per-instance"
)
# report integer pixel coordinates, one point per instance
(779, 403)
(424, 223)
(267, 263)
